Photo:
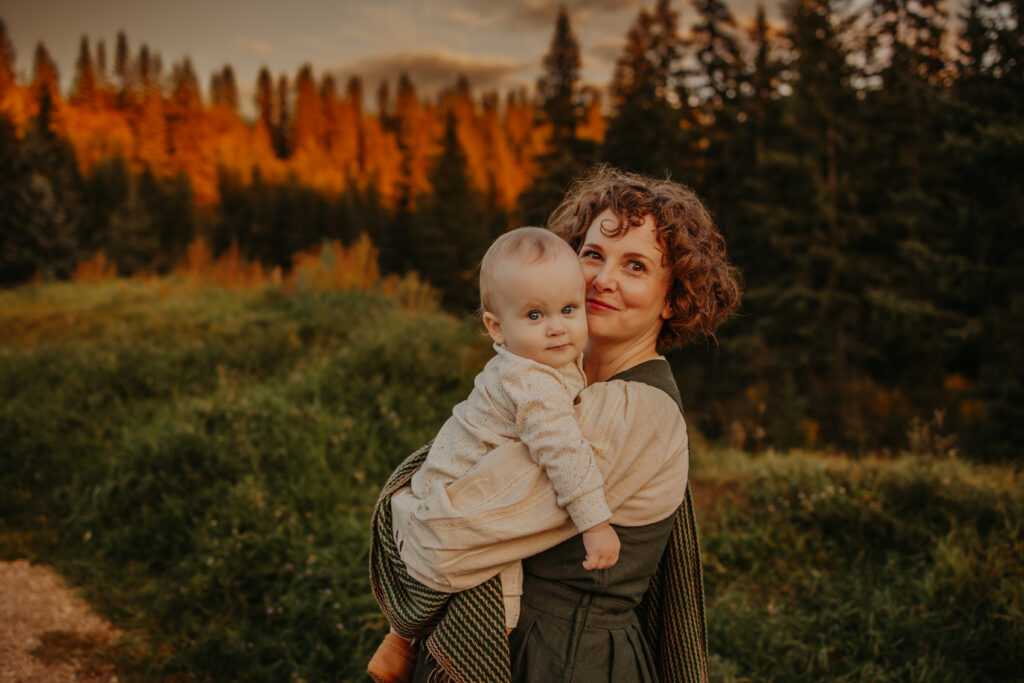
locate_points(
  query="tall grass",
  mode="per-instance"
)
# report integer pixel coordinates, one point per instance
(203, 462)
(826, 568)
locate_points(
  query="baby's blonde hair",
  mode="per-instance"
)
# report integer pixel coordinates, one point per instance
(526, 245)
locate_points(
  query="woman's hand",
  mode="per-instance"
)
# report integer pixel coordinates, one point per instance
(602, 544)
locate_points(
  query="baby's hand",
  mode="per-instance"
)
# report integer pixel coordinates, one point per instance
(602, 544)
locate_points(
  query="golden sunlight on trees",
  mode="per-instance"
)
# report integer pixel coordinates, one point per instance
(304, 128)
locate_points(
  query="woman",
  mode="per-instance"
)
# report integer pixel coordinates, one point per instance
(656, 276)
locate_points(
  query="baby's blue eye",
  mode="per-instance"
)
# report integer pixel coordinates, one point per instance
(569, 309)
(533, 315)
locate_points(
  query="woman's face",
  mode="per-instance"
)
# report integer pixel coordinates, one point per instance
(627, 283)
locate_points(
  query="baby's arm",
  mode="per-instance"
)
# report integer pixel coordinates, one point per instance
(546, 424)
(640, 439)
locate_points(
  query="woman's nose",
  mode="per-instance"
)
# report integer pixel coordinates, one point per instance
(604, 279)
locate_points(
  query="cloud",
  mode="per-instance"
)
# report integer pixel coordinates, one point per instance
(581, 12)
(314, 42)
(256, 47)
(475, 20)
(533, 14)
(607, 51)
(434, 71)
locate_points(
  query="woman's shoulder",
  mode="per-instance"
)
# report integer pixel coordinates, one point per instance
(656, 373)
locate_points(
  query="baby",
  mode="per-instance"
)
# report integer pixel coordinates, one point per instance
(532, 294)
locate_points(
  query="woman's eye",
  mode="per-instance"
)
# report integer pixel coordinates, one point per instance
(533, 315)
(636, 266)
(568, 310)
(589, 254)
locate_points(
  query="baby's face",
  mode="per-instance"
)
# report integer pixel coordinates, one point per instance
(540, 309)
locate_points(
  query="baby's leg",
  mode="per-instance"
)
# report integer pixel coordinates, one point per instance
(511, 593)
(394, 660)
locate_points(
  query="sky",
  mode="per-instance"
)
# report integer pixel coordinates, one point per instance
(497, 44)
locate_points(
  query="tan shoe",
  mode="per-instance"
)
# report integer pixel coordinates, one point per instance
(393, 661)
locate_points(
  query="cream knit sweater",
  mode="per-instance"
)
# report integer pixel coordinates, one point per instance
(515, 399)
(505, 508)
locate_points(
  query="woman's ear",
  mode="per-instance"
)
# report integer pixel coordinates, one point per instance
(493, 326)
(667, 312)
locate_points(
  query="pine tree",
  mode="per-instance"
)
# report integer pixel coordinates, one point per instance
(147, 81)
(264, 99)
(283, 109)
(224, 89)
(7, 58)
(40, 192)
(643, 133)
(308, 127)
(133, 244)
(122, 62)
(101, 63)
(559, 86)
(44, 84)
(451, 229)
(86, 92)
(828, 243)
(328, 94)
(907, 214)
(566, 155)
(719, 143)
(985, 223)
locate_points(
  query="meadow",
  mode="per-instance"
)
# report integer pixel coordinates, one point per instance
(202, 462)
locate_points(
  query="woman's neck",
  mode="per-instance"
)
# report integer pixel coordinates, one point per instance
(601, 362)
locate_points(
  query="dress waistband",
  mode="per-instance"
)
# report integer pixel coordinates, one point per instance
(593, 610)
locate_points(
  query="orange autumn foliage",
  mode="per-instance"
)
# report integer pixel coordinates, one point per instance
(332, 143)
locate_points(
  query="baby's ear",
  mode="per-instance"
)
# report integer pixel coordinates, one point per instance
(493, 326)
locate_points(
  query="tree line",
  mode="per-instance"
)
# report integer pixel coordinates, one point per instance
(864, 161)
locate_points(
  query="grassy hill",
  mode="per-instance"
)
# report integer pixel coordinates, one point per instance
(203, 463)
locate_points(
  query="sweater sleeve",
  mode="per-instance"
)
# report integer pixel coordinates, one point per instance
(546, 424)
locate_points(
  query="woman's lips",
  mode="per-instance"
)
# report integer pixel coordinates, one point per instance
(597, 305)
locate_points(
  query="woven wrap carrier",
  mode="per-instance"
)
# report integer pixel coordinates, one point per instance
(465, 632)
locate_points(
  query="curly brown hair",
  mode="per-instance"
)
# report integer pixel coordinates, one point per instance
(705, 288)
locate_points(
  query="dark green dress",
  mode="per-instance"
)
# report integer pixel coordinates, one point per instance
(580, 626)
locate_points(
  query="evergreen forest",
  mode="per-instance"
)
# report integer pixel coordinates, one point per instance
(864, 159)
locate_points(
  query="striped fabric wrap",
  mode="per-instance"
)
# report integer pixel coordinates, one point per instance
(465, 632)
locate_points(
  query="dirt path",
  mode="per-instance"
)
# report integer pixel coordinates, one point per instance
(47, 633)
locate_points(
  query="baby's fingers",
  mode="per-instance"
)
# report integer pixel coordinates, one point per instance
(599, 561)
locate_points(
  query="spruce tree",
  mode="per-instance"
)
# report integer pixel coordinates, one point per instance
(644, 130)
(44, 85)
(719, 141)
(558, 87)
(86, 91)
(122, 63)
(451, 230)
(7, 58)
(283, 111)
(985, 217)
(566, 155)
(40, 190)
(308, 128)
(264, 98)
